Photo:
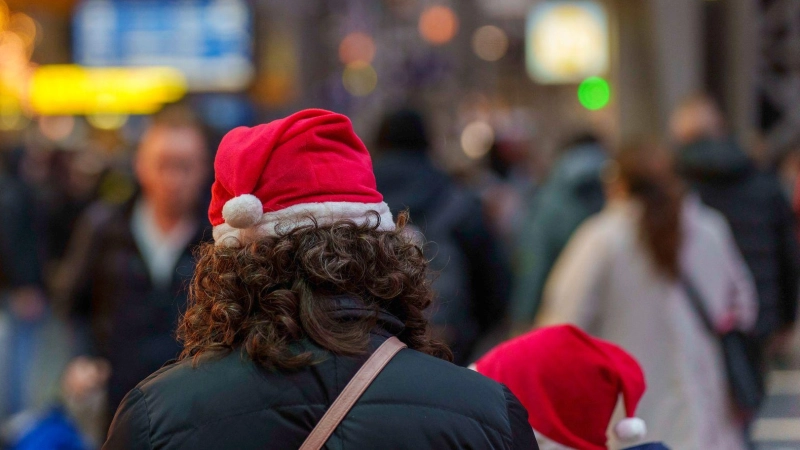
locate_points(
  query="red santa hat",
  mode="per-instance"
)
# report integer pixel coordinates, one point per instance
(309, 167)
(570, 383)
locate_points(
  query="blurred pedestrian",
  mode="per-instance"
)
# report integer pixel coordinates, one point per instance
(473, 274)
(754, 204)
(625, 277)
(127, 268)
(34, 347)
(571, 194)
(308, 274)
(570, 384)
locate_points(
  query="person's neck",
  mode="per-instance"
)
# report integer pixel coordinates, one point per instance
(166, 222)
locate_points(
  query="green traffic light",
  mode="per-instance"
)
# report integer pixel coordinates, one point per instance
(594, 93)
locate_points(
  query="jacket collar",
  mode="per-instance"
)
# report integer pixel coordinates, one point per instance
(344, 307)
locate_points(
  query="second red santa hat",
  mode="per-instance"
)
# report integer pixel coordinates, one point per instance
(309, 167)
(570, 383)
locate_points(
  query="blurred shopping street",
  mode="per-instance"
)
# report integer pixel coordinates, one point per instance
(562, 161)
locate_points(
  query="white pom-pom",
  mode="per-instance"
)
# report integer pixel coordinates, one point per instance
(631, 429)
(243, 211)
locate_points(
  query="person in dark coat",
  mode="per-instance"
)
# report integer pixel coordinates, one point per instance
(473, 272)
(753, 202)
(127, 268)
(308, 274)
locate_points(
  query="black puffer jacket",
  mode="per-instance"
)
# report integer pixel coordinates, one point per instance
(417, 402)
(761, 221)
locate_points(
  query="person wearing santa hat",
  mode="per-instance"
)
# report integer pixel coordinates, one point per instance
(308, 274)
(570, 383)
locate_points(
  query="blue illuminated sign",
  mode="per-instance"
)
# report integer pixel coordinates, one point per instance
(210, 41)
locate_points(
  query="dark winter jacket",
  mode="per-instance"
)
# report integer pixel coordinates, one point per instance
(761, 220)
(19, 259)
(109, 289)
(571, 194)
(473, 273)
(228, 402)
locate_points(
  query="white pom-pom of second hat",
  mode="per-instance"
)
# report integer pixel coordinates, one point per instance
(631, 429)
(243, 211)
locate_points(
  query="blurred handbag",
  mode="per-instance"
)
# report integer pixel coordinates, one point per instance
(740, 350)
(351, 393)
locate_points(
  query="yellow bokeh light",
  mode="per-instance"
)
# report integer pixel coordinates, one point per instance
(567, 42)
(438, 25)
(71, 89)
(10, 122)
(357, 46)
(11, 117)
(359, 78)
(490, 43)
(17, 41)
(107, 121)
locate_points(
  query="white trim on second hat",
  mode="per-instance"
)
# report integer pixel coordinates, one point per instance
(279, 222)
(546, 443)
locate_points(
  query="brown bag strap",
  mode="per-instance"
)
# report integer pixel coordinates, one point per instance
(351, 393)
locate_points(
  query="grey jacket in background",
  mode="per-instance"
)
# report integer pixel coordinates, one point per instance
(571, 194)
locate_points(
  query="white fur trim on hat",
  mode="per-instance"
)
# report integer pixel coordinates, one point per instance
(631, 429)
(280, 222)
(243, 211)
(546, 443)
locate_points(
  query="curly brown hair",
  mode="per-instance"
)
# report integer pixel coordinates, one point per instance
(268, 295)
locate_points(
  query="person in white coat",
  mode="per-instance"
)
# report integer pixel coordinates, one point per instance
(621, 279)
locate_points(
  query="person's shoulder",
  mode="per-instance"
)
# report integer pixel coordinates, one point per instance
(761, 184)
(420, 380)
(180, 396)
(415, 361)
(611, 221)
(699, 215)
(181, 376)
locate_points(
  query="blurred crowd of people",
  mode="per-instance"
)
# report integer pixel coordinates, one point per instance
(613, 240)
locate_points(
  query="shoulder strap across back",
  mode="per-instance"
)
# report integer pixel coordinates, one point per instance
(351, 393)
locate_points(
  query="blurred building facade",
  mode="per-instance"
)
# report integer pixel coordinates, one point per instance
(465, 61)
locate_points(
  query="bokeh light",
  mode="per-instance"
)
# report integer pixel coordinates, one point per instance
(14, 121)
(490, 43)
(438, 24)
(594, 93)
(567, 41)
(24, 27)
(71, 89)
(107, 121)
(18, 35)
(357, 46)
(477, 139)
(56, 128)
(359, 78)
